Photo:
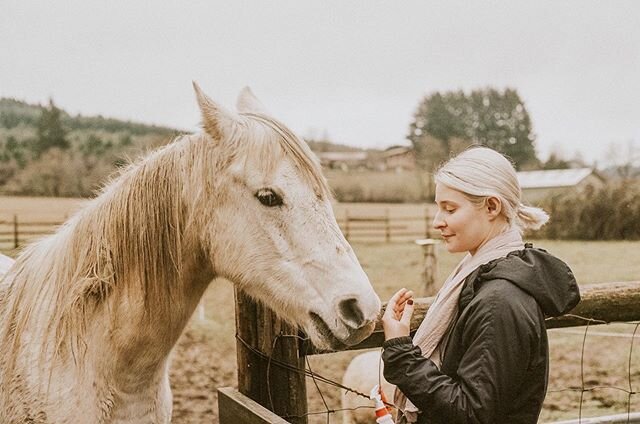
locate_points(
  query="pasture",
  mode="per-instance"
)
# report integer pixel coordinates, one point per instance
(197, 369)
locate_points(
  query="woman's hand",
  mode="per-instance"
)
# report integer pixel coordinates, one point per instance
(397, 317)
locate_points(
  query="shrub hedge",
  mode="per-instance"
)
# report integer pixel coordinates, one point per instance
(611, 212)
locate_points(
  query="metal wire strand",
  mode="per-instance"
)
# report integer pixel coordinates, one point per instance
(317, 378)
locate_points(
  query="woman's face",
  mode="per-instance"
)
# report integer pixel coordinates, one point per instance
(463, 225)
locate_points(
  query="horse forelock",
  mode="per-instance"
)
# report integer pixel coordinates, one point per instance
(293, 147)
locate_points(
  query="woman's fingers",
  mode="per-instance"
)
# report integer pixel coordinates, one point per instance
(407, 313)
(392, 305)
(397, 316)
(402, 302)
(405, 296)
(396, 304)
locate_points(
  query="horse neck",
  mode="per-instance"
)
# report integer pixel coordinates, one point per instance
(160, 272)
(128, 274)
(99, 305)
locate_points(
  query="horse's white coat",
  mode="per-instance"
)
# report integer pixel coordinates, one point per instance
(5, 263)
(89, 315)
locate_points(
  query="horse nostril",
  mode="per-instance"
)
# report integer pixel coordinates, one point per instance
(351, 313)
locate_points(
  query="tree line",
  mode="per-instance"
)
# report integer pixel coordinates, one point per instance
(45, 151)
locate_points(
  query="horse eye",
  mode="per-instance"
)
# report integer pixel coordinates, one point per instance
(268, 197)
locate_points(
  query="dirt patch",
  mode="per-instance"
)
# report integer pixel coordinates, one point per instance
(197, 371)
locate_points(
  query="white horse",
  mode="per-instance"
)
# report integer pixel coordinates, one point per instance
(5, 263)
(362, 374)
(89, 315)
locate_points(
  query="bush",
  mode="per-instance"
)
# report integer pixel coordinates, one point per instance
(60, 173)
(376, 187)
(611, 212)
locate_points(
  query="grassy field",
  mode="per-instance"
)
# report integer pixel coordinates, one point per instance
(375, 186)
(205, 356)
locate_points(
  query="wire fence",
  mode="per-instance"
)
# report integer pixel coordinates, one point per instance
(329, 412)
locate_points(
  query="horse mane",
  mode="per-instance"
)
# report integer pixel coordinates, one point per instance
(130, 236)
(130, 233)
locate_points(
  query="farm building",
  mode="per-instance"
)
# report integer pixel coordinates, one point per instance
(537, 185)
(343, 160)
(395, 158)
(399, 158)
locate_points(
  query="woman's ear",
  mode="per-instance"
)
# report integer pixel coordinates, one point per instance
(493, 206)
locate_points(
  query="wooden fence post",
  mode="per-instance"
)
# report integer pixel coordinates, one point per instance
(262, 340)
(427, 224)
(388, 227)
(430, 270)
(16, 240)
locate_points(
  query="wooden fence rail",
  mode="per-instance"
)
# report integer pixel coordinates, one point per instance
(387, 227)
(262, 343)
(384, 227)
(237, 408)
(17, 231)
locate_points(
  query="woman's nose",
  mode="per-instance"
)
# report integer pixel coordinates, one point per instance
(437, 221)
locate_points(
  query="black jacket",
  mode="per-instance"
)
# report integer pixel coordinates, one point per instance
(495, 364)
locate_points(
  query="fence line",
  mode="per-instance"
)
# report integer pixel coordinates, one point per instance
(374, 228)
(385, 227)
(608, 419)
(629, 417)
(601, 304)
(16, 232)
(318, 378)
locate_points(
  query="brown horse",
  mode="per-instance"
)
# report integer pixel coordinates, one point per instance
(89, 315)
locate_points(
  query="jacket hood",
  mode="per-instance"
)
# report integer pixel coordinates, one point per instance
(546, 278)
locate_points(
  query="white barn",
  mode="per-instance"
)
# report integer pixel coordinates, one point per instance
(537, 185)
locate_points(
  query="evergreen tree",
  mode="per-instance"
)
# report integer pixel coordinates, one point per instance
(50, 131)
(488, 117)
(555, 161)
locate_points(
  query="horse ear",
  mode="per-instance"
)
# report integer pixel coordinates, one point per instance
(215, 118)
(248, 102)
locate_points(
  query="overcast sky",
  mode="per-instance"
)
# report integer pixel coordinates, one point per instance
(355, 70)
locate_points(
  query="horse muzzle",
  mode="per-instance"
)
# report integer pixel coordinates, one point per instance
(348, 329)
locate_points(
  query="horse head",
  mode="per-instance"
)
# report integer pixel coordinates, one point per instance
(271, 229)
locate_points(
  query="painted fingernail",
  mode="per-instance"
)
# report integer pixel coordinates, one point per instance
(410, 301)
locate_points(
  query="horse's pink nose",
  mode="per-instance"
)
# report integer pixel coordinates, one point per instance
(351, 313)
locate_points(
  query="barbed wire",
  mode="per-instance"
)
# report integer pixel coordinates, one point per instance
(328, 411)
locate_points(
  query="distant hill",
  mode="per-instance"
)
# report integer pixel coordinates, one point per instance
(14, 113)
(93, 147)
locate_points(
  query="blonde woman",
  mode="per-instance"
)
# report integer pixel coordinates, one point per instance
(481, 353)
